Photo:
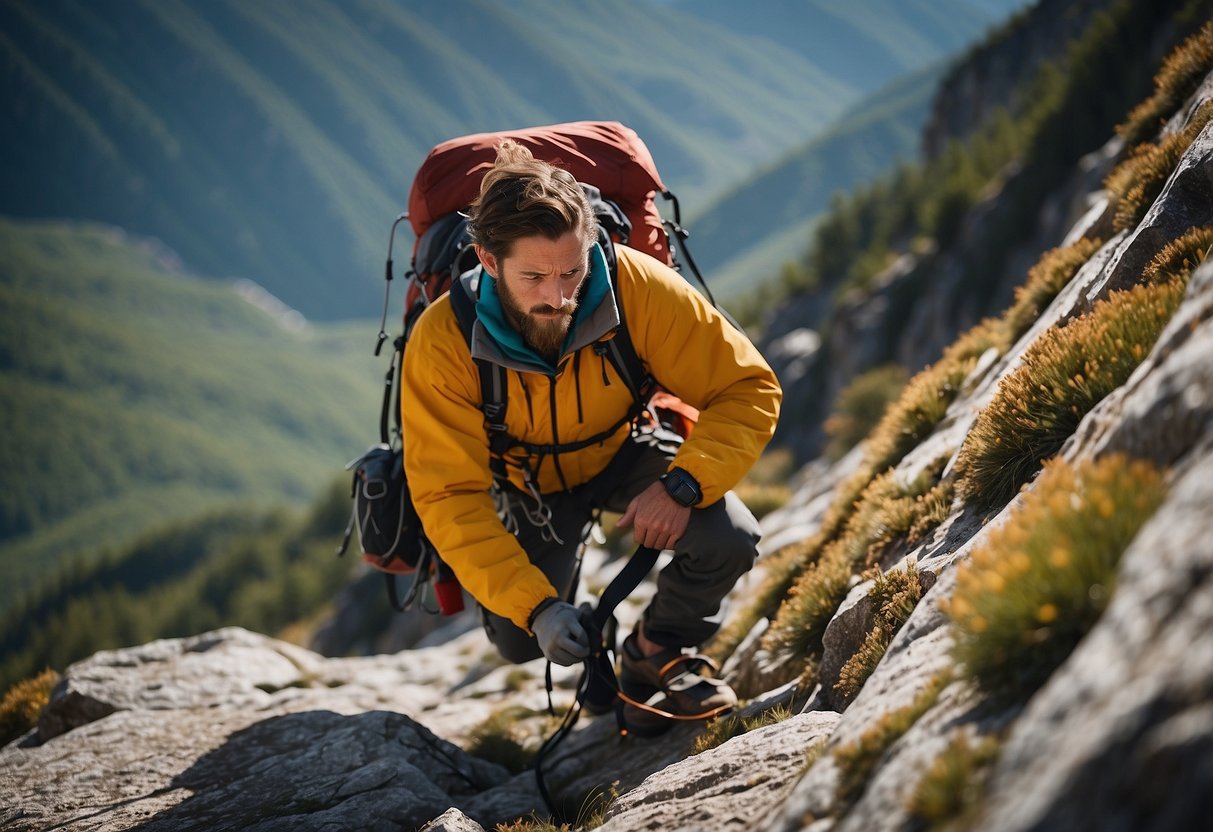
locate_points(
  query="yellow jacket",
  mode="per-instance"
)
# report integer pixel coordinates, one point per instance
(688, 347)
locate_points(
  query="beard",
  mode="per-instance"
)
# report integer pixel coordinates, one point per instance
(544, 335)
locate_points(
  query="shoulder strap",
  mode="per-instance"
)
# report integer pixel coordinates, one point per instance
(494, 389)
(619, 349)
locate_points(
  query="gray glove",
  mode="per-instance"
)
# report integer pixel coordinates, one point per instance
(561, 637)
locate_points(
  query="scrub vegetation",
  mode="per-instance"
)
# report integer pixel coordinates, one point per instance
(1040, 581)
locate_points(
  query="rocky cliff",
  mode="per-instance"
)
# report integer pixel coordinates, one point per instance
(934, 288)
(924, 643)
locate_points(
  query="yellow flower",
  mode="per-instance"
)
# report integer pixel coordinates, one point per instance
(1059, 558)
(1047, 614)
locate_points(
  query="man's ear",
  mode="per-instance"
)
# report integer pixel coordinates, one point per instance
(488, 261)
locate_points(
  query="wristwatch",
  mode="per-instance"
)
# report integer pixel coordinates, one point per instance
(682, 487)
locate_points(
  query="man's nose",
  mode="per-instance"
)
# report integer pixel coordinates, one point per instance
(554, 295)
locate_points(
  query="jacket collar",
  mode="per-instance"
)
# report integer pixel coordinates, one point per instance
(494, 339)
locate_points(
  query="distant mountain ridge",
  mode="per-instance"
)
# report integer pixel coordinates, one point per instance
(275, 142)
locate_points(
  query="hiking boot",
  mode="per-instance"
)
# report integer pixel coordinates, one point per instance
(669, 687)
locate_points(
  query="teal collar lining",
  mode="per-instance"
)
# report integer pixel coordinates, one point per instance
(491, 314)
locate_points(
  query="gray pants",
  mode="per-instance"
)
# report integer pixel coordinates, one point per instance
(719, 546)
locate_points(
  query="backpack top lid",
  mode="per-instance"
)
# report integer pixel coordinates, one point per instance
(605, 154)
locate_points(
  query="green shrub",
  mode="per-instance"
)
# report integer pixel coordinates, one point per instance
(894, 596)
(1040, 581)
(857, 760)
(23, 703)
(954, 786)
(1065, 373)
(860, 406)
(1046, 279)
(1135, 183)
(1182, 72)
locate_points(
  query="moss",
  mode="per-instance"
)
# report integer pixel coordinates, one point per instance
(953, 788)
(1181, 74)
(516, 679)
(857, 760)
(1135, 183)
(1041, 580)
(23, 703)
(503, 737)
(1055, 269)
(894, 596)
(1065, 373)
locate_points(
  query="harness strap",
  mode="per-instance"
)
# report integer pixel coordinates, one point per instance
(598, 666)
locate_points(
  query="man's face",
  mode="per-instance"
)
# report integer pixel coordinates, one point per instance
(538, 284)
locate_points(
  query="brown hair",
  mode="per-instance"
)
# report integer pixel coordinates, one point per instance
(522, 196)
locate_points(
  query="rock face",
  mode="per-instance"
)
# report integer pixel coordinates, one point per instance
(232, 730)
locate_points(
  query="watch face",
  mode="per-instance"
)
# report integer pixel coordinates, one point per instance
(680, 486)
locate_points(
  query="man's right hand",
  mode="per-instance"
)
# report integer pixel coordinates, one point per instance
(560, 634)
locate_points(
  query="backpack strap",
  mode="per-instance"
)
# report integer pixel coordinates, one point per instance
(494, 387)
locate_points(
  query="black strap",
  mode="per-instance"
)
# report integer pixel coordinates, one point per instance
(599, 667)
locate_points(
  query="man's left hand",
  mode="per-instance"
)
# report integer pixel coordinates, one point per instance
(655, 519)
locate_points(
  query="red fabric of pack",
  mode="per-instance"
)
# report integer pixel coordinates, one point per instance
(605, 154)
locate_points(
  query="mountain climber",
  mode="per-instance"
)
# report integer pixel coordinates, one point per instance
(545, 309)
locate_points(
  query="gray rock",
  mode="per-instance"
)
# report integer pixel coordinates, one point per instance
(227, 667)
(1125, 727)
(732, 785)
(1185, 202)
(452, 820)
(197, 737)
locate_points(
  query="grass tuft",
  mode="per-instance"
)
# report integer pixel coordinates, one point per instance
(1065, 373)
(885, 514)
(1181, 74)
(925, 399)
(23, 703)
(1135, 183)
(532, 824)
(1046, 279)
(722, 729)
(954, 786)
(1041, 580)
(857, 760)
(1179, 258)
(894, 596)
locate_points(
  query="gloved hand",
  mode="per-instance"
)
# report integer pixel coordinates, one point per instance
(560, 634)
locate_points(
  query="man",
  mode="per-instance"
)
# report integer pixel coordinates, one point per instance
(546, 311)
